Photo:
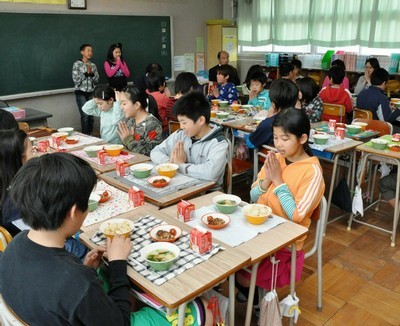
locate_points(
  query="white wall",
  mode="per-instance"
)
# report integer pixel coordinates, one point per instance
(189, 18)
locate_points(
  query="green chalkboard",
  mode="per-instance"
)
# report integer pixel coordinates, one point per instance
(38, 50)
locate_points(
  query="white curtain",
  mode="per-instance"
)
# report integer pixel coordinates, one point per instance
(371, 23)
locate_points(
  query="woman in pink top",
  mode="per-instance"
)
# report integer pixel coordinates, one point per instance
(345, 83)
(116, 68)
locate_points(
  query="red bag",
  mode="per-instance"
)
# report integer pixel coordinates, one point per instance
(213, 305)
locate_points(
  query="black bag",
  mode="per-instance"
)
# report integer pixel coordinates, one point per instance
(341, 196)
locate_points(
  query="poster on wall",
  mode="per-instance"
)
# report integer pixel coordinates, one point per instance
(229, 42)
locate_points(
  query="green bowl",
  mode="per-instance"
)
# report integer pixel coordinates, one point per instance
(353, 129)
(224, 207)
(379, 143)
(68, 130)
(141, 170)
(320, 139)
(223, 104)
(222, 115)
(93, 202)
(164, 265)
(91, 151)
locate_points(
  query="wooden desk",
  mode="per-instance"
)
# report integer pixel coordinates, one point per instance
(387, 156)
(178, 291)
(165, 200)
(35, 118)
(259, 248)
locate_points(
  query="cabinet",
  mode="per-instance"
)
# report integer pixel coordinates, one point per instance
(221, 37)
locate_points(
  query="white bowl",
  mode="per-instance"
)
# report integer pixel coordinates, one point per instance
(68, 130)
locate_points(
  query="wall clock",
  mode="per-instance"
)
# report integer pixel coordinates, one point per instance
(77, 4)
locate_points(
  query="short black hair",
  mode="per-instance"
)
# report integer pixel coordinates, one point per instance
(373, 62)
(226, 70)
(337, 74)
(104, 92)
(84, 46)
(7, 120)
(155, 80)
(153, 67)
(339, 63)
(193, 106)
(379, 76)
(185, 82)
(285, 68)
(297, 63)
(47, 187)
(308, 88)
(219, 53)
(283, 93)
(259, 76)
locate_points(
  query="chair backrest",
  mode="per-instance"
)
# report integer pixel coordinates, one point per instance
(363, 114)
(320, 228)
(384, 127)
(23, 126)
(7, 316)
(5, 238)
(173, 126)
(335, 110)
(153, 106)
(3, 104)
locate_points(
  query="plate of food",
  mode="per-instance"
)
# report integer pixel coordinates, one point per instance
(104, 195)
(215, 220)
(165, 233)
(394, 147)
(159, 181)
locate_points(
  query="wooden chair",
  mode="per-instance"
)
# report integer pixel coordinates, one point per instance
(5, 238)
(8, 316)
(173, 126)
(363, 114)
(23, 126)
(385, 128)
(336, 110)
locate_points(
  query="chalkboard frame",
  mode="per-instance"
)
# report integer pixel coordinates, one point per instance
(40, 48)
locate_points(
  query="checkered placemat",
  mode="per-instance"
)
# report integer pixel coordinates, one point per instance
(140, 237)
(178, 182)
(110, 159)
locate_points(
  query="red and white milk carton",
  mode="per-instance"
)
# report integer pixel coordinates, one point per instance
(396, 137)
(185, 211)
(102, 156)
(122, 168)
(136, 197)
(43, 145)
(200, 240)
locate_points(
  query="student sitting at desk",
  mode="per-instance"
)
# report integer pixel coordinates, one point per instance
(292, 184)
(226, 90)
(374, 100)
(142, 131)
(45, 285)
(258, 94)
(199, 147)
(282, 93)
(335, 93)
(105, 106)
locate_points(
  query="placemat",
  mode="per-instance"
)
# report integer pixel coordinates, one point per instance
(386, 137)
(178, 182)
(84, 140)
(140, 237)
(238, 230)
(116, 205)
(360, 135)
(110, 159)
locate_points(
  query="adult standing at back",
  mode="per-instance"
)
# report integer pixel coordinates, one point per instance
(116, 68)
(364, 81)
(223, 58)
(85, 77)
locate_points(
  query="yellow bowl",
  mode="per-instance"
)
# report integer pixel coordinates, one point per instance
(167, 169)
(256, 213)
(236, 107)
(118, 226)
(113, 150)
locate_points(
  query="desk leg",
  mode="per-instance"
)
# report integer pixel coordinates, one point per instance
(181, 314)
(396, 208)
(293, 274)
(335, 164)
(232, 300)
(252, 288)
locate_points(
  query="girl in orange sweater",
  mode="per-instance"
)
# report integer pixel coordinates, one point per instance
(292, 184)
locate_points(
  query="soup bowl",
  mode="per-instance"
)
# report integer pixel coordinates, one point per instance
(160, 256)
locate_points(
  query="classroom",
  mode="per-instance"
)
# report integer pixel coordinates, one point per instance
(240, 168)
